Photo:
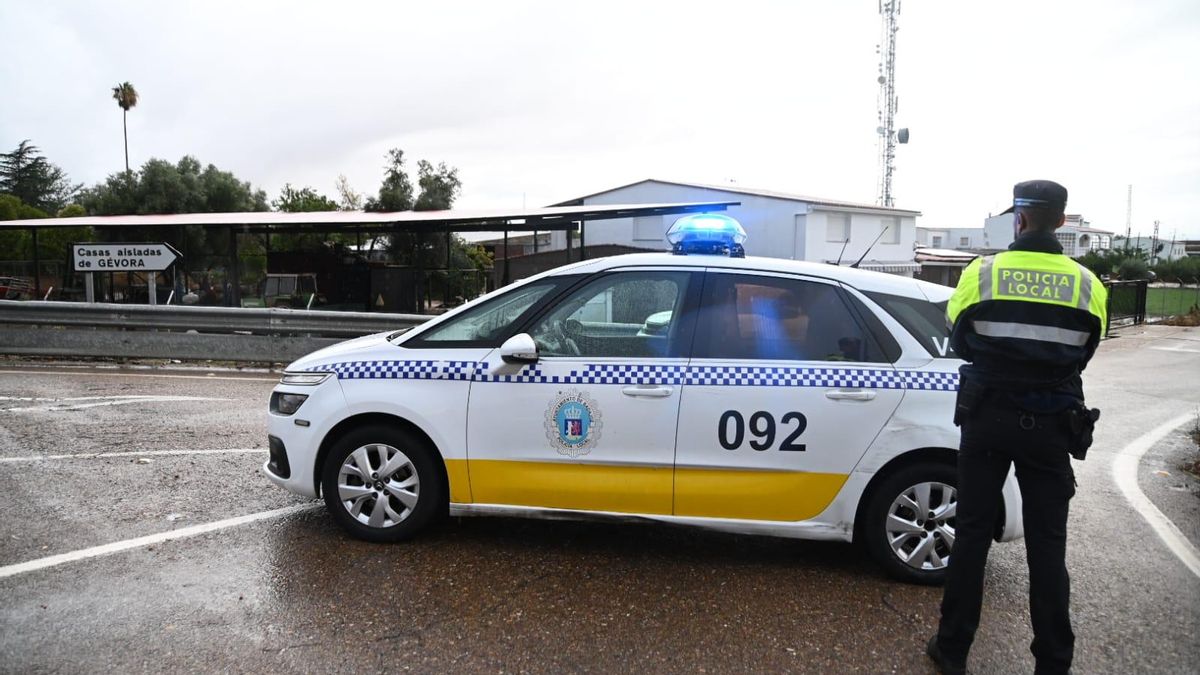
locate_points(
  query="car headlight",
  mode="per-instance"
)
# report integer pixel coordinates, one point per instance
(286, 404)
(304, 378)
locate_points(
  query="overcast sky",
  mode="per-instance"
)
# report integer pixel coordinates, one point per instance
(538, 102)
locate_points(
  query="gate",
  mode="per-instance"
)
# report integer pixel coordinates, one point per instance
(1126, 300)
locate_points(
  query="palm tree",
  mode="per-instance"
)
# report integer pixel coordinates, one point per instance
(126, 97)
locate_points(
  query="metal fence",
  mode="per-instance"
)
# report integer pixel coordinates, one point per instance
(217, 333)
(1168, 300)
(1126, 301)
(1137, 301)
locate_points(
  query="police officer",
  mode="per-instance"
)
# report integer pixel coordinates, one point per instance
(1026, 321)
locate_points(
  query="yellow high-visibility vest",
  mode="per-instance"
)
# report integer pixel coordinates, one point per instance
(1029, 276)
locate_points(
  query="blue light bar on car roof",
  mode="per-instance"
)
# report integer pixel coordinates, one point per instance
(707, 234)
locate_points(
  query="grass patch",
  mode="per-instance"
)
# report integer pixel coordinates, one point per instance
(1171, 301)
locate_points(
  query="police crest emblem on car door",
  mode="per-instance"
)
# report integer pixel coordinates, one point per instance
(573, 423)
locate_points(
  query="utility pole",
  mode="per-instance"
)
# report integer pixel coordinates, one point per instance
(1128, 215)
(1154, 244)
(889, 136)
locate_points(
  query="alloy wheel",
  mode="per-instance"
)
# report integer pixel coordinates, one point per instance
(920, 525)
(378, 485)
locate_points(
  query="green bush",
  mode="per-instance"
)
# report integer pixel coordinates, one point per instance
(1133, 268)
(1180, 270)
(1108, 263)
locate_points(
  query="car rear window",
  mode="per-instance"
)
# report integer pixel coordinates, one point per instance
(924, 320)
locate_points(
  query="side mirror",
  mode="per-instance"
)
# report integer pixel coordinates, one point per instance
(519, 348)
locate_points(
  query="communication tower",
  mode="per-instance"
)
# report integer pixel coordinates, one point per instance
(889, 135)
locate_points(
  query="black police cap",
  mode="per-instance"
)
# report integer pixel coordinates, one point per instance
(1042, 194)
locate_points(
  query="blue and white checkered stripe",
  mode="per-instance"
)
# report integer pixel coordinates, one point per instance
(599, 373)
(784, 376)
(624, 374)
(399, 370)
(931, 381)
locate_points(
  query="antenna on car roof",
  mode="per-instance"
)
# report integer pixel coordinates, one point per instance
(843, 251)
(864, 255)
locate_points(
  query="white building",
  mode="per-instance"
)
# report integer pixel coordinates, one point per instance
(777, 224)
(1158, 249)
(1076, 236)
(995, 235)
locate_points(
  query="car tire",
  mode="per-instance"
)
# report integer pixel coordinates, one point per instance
(909, 545)
(383, 483)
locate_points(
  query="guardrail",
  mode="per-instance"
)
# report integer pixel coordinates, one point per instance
(143, 331)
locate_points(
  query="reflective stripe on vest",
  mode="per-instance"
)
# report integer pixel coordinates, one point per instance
(1085, 289)
(1029, 331)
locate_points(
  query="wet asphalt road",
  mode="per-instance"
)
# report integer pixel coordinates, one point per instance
(500, 595)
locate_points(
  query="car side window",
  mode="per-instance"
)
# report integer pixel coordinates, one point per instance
(626, 314)
(490, 319)
(749, 317)
(924, 320)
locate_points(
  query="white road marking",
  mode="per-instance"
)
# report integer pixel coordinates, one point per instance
(1125, 473)
(113, 374)
(149, 540)
(61, 398)
(144, 453)
(1177, 348)
(106, 401)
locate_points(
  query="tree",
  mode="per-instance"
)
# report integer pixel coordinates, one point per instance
(32, 179)
(187, 186)
(349, 199)
(1127, 263)
(305, 199)
(53, 242)
(439, 186)
(126, 97)
(396, 192)
(161, 187)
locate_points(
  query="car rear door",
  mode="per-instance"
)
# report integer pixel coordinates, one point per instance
(786, 389)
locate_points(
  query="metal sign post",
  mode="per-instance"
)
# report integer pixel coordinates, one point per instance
(149, 258)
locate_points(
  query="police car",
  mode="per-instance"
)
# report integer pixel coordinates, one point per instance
(699, 387)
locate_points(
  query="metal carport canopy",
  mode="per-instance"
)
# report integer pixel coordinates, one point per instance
(548, 218)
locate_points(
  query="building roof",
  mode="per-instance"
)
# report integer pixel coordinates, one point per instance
(943, 255)
(549, 218)
(1086, 230)
(737, 189)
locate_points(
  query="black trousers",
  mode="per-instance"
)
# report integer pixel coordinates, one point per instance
(993, 439)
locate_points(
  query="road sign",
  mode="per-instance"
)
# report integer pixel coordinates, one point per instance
(123, 257)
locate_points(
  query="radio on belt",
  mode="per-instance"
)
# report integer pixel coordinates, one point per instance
(707, 234)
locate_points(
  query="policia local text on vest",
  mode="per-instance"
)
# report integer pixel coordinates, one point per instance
(1026, 321)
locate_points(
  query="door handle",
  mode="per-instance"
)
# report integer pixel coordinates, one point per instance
(647, 391)
(850, 394)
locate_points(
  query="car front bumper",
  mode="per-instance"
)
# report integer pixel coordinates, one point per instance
(295, 439)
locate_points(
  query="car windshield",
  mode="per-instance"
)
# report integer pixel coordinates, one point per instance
(490, 319)
(924, 320)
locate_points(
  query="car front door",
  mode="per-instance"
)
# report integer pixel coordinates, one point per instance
(785, 391)
(591, 424)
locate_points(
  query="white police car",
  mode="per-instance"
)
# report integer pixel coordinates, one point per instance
(752, 395)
